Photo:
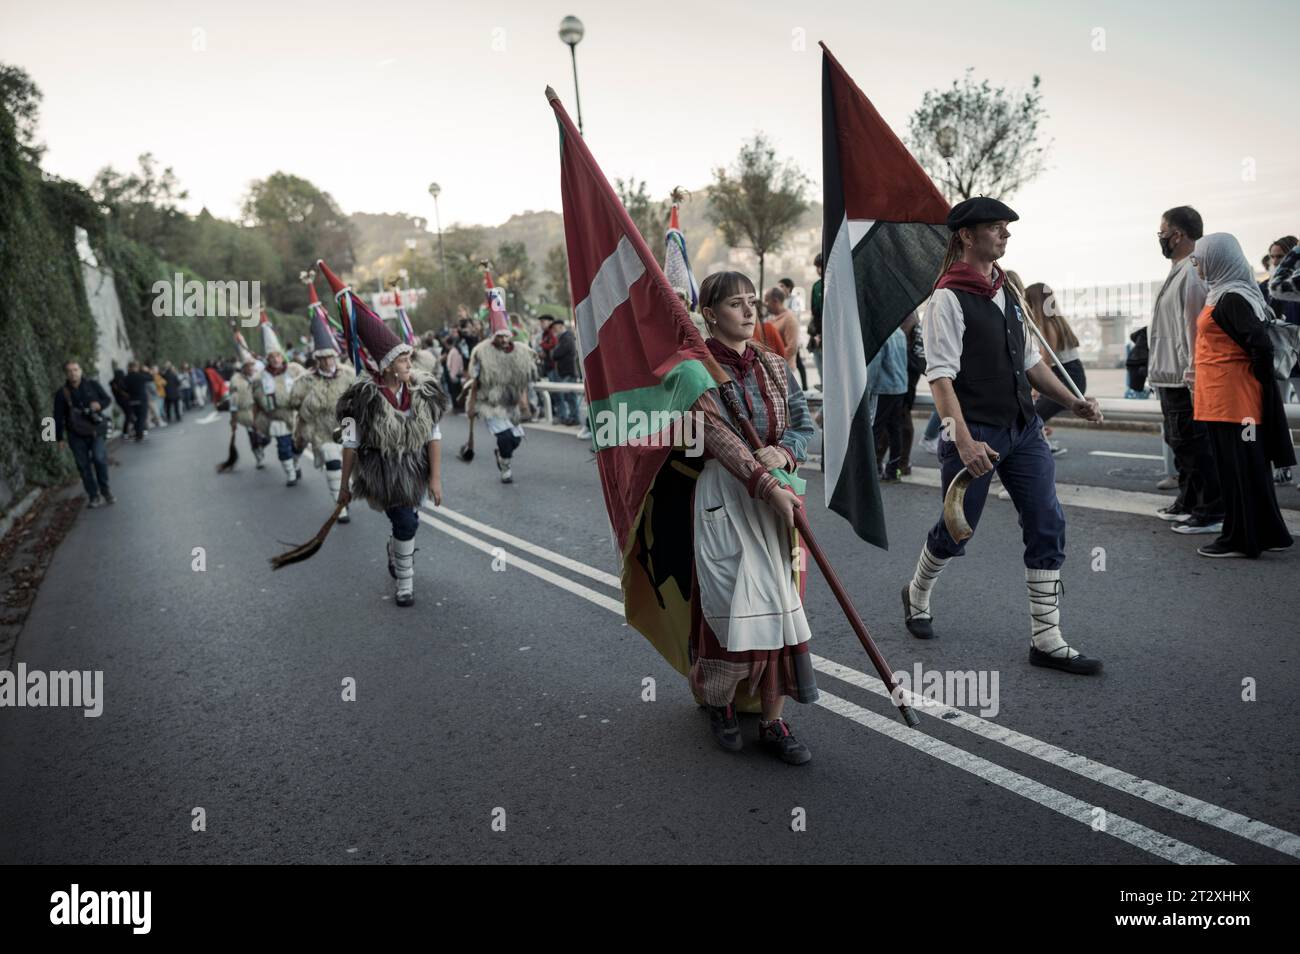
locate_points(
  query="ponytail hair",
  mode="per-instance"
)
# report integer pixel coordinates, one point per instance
(950, 255)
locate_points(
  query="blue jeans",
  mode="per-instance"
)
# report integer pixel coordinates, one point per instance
(405, 521)
(91, 454)
(1028, 472)
(933, 426)
(566, 402)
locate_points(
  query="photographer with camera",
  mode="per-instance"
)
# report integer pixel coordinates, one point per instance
(80, 422)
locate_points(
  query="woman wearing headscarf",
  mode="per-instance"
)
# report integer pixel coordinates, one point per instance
(1236, 396)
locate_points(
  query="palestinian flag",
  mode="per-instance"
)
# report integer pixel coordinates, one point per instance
(884, 239)
(644, 364)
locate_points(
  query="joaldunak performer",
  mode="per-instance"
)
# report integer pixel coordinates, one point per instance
(272, 390)
(243, 409)
(315, 396)
(982, 363)
(392, 445)
(500, 370)
(747, 619)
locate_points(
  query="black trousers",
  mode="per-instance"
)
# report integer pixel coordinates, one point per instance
(888, 429)
(139, 414)
(1198, 475)
(1251, 520)
(1045, 406)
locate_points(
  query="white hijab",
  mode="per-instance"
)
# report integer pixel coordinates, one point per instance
(1226, 270)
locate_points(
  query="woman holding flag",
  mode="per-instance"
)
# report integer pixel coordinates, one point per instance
(748, 627)
(392, 444)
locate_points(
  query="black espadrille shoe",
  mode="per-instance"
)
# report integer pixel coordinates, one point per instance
(919, 622)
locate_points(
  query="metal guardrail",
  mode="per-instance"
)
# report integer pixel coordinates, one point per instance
(546, 387)
(1119, 410)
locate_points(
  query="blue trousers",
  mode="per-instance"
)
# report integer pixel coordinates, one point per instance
(507, 441)
(91, 454)
(284, 447)
(1028, 472)
(405, 521)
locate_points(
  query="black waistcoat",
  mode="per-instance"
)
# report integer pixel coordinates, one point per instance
(991, 384)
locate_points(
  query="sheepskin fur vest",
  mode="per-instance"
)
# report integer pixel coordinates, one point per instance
(392, 465)
(502, 379)
(315, 398)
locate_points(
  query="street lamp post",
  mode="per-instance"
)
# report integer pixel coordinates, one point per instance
(434, 190)
(571, 32)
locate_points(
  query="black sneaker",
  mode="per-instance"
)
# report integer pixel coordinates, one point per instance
(405, 599)
(1080, 665)
(919, 623)
(1219, 551)
(725, 727)
(109, 498)
(94, 502)
(778, 739)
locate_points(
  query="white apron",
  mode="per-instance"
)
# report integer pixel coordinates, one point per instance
(745, 568)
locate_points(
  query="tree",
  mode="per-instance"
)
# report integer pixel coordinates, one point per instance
(650, 217)
(976, 139)
(758, 201)
(557, 276)
(513, 270)
(20, 97)
(145, 206)
(302, 224)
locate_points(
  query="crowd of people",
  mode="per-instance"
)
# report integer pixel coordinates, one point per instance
(1221, 360)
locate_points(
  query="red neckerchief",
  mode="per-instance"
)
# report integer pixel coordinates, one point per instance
(963, 277)
(507, 347)
(274, 372)
(401, 400)
(740, 363)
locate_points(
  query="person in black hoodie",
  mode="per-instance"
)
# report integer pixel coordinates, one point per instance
(118, 386)
(80, 423)
(172, 394)
(137, 393)
(565, 356)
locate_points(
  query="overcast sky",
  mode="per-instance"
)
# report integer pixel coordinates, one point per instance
(1187, 103)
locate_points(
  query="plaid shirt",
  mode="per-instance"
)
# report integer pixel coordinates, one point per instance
(779, 410)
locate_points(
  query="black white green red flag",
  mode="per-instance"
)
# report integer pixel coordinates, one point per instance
(884, 240)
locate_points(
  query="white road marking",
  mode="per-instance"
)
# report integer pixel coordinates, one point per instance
(210, 417)
(1122, 454)
(577, 589)
(1093, 498)
(1194, 808)
(600, 576)
(1119, 827)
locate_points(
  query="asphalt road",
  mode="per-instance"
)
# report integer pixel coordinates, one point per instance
(521, 690)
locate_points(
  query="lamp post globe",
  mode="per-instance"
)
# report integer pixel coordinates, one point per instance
(571, 33)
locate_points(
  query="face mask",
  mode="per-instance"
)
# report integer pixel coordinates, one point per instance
(1167, 246)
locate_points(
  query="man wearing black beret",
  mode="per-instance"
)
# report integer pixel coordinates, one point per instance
(982, 363)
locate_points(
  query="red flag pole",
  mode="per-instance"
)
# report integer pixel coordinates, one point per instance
(728, 389)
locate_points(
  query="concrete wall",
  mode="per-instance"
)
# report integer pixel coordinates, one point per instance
(112, 343)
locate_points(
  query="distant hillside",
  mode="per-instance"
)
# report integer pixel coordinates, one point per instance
(381, 238)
